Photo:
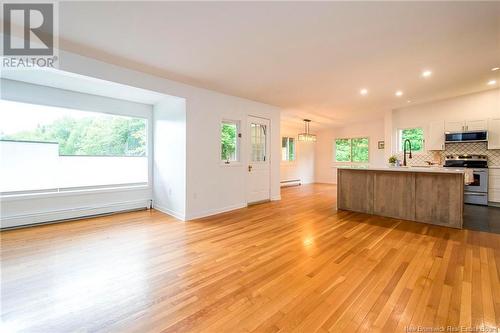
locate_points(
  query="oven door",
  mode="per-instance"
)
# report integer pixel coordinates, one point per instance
(476, 198)
(480, 183)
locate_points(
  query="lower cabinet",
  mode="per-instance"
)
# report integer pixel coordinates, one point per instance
(434, 198)
(494, 185)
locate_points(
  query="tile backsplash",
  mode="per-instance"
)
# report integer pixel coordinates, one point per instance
(479, 148)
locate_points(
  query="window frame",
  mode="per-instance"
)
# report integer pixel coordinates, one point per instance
(288, 160)
(237, 161)
(400, 139)
(350, 146)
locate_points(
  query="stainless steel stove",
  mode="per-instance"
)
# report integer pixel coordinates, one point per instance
(476, 192)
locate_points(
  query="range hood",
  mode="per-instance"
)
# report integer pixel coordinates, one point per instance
(471, 136)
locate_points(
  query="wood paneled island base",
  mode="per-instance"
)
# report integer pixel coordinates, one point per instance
(429, 196)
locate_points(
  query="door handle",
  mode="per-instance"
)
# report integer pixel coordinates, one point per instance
(249, 168)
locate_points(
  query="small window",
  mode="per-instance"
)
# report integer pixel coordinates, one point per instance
(416, 137)
(287, 149)
(352, 150)
(229, 141)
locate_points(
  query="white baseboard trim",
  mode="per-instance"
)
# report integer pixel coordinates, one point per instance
(170, 212)
(276, 197)
(211, 212)
(61, 215)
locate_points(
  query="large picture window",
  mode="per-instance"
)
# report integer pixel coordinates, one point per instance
(52, 148)
(352, 150)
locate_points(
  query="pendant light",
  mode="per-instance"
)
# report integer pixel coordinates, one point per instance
(306, 136)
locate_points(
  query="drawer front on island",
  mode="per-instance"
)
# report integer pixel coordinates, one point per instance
(355, 191)
(394, 195)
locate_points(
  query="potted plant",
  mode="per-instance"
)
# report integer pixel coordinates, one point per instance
(392, 160)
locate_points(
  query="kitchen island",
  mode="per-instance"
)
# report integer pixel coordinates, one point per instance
(431, 195)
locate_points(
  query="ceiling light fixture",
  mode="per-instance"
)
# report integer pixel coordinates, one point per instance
(426, 73)
(363, 92)
(306, 136)
(492, 82)
(399, 93)
(408, 101)
(495, 69)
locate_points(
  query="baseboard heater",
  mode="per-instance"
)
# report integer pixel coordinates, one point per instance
(291, 182)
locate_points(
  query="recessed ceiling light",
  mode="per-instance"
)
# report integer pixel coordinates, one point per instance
(495, 69)
(426, 73)
(408, 101)
(492, 82)
(363, 91)
(399, 93)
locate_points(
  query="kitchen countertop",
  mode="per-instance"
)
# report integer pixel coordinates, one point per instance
(406, 169)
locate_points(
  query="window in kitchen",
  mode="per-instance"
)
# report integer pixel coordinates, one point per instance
(229, 135)
(416, 137)
(51, 149)
(287, 149)
(352, 150)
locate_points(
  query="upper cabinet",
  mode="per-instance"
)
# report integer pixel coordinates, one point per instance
(494, 133)
(435, 136)
(466, 125)
(476, 125)
(455, 126)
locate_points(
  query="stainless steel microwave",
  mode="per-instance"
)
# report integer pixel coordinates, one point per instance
(473, 136)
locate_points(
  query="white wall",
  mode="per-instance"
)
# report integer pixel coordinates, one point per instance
(303, 166)
(325, 165)
(53, 172)
(169, 170)
(481, 105)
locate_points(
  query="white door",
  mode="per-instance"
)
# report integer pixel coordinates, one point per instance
(455, 126)
(476, 125)
(259, 171)
(435, 137)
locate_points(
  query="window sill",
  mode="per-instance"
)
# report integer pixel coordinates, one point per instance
(65, 193)
(232, 164)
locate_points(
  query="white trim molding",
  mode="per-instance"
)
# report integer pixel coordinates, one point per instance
(170, 212)
(211, 212)
(62, 215)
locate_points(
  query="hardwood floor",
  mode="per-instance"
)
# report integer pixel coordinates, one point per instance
(296, 265)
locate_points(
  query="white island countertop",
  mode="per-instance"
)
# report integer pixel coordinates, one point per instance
(405, 169)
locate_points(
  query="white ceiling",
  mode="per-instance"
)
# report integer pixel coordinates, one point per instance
(311, 58)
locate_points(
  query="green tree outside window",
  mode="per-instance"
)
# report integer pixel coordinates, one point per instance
(416, 137)
(352, 150)
(228, 141)
(91, 136)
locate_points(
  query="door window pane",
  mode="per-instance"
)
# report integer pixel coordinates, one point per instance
(258, 142)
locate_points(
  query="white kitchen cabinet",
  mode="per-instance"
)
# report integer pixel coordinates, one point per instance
(455, 126)
(476, 125)
(494, 185)
(435, 137)
(494, 133)
(466, 125)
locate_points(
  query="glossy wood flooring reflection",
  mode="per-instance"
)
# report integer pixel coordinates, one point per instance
(296, 265)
